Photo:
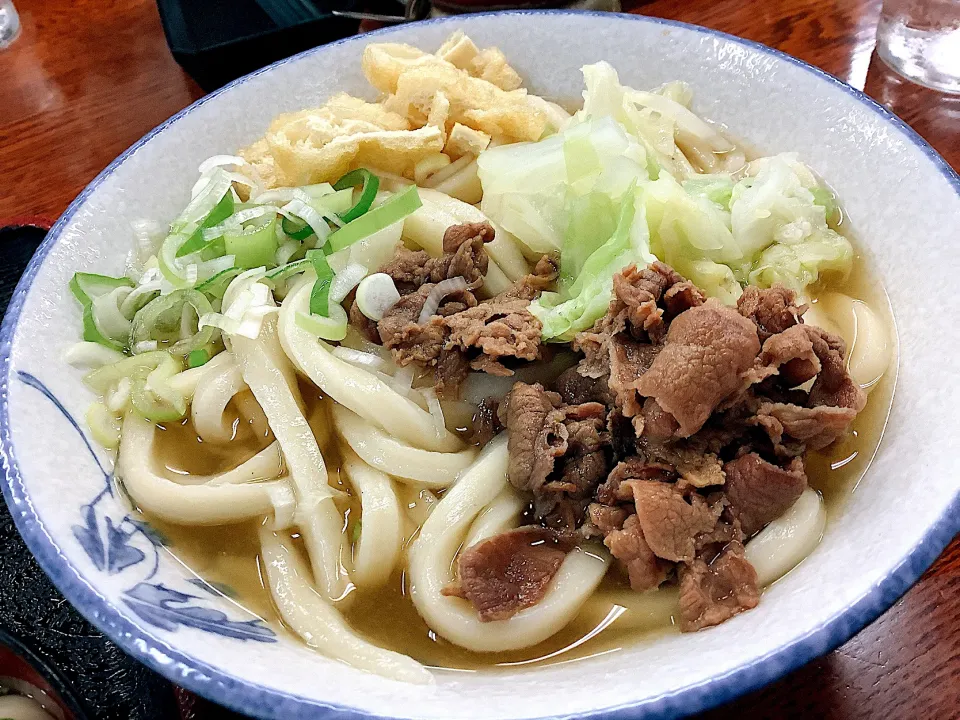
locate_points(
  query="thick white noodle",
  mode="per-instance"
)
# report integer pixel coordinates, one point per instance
(210, 399)
(868, 346)
(265, 465)
(212, 503)
(319, 623)
(376, 552)
(782, 544)
(432, 557)
(186, 382)
(396, 458)
(357, 389)
(502, 514)
(272, 382)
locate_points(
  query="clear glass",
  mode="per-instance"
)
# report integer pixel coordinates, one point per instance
(920, 39)
(9, 23)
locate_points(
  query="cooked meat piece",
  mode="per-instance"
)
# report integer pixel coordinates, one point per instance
(760, 492)
(409, 269)
(574, 388)
(409, 341)
(532, 451)
(682, 296)
(707, 350)
(581, 474)
(463, 256)
(486, 423)
(366, 326)
(606, 518)
(633, 311)
(583, 429)
(774, 310)
(508, 572)
(833, 385)
(452, 369)
(700, 470)
(670, 521)
(791, 352)
(560, 511)
(714, 592)
(632, 468)
(628, 545)
(531, 285)
(498, 328)
(468, 261)
(557, 452)
(629, 360)
(657, 424)
(455, 236)
(710, 544)
(816, 427)
(635, 295)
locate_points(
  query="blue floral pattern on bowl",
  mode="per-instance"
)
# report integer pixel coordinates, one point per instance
(118, 543)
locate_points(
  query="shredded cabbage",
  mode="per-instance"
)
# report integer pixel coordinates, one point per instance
(579, 303)
(773, 221)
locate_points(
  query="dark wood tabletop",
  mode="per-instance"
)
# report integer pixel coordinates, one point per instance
(87, 78)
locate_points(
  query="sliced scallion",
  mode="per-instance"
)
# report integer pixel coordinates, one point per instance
(198, 357)
(220, 212)
(369, 184)
(252, 246)
(150, 393)
(87, 287)
(332, 327)
(295, 230)
(393, 210)
(168, 320)
(320, 295)
(217, 285)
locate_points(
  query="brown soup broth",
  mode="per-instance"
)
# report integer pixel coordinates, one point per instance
(227, 556)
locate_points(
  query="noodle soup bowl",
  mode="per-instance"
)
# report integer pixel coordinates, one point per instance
(901, 196)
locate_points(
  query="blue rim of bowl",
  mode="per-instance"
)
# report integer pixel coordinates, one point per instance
(247, 697)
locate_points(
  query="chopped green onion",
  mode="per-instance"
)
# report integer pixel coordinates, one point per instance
(217, 285)
(87, 287)
(337, 202)
(253, 246)
(150, 392)
(91, 333)
(320, 295)
(328, 328)
(198, 357)
(295, 230)
(284, 271)
(369, 183)
(167, 320)
(317, 190)
(393, 210)
(220, 212)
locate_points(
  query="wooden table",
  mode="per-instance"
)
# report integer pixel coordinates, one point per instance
(88, 77)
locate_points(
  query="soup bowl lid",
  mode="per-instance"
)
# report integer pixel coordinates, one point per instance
(903, 199)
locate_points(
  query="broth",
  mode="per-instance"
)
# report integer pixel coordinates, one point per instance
(226, 557)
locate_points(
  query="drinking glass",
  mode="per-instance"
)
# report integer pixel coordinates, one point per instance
(920, 39)
(9, 23)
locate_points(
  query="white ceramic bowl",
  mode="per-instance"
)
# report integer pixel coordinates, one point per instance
(902, 197)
